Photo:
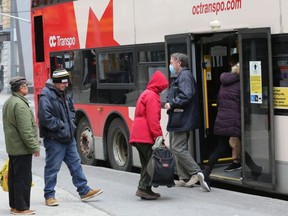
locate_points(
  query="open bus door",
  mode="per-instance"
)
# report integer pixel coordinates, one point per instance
(208, 58)
(184, 43)
(258, 157)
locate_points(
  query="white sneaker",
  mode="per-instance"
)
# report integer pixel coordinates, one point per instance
(180, 183)
(203, 183)
(193, 180)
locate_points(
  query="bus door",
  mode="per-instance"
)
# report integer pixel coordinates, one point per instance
(257, 111)
(208, 58)
(212, 57)
(184, 43)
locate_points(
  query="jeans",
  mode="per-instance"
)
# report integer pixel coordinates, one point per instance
(19, 181)
(57, 152)
(186, 165)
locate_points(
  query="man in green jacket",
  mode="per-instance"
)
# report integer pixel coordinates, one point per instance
(22, 142)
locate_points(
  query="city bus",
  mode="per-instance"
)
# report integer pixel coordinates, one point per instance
(112, 47)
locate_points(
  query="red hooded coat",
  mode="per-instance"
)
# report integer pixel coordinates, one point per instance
(146, 126)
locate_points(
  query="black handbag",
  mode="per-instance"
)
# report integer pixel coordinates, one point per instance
(161, 165)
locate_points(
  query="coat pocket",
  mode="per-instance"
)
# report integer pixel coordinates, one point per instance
(177, 118)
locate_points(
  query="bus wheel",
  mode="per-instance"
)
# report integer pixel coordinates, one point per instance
(119, 149)
(85, 142)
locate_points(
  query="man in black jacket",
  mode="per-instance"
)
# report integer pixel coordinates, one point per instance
(57, 126)
(183, 114)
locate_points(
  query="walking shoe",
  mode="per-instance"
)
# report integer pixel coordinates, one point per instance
(193, 180)
(51, 202)
(204, 181)
(180, 183)
(91, 193)
(233, 167)
(23, 212)
(146, 194)
(153, 193)
(11, 210)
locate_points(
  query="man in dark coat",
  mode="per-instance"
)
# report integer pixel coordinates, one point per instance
(183, 117)
(57, 126)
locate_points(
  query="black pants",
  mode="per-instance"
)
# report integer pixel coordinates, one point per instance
(222, 147)
(145, 153)
(19, 181)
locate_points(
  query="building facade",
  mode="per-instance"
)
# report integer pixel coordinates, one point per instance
(15, 39)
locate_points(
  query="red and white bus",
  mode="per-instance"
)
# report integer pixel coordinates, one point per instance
(112, 47)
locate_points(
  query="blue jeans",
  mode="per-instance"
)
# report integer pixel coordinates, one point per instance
(57, 152)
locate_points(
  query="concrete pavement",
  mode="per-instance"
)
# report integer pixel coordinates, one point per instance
(69, 204)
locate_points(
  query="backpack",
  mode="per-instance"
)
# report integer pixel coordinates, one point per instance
(161, 165)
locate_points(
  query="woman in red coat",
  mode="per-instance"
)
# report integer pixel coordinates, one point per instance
(146, 128)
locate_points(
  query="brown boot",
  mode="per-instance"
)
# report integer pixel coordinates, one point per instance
(144, 194)
(153, 193)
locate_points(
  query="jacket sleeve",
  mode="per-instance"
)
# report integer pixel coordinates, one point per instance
(153, 115)
(72, 110)
(185, 92)
(26, 128)
(45, 115)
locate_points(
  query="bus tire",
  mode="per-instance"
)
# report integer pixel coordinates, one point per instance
(85, 142)
(118, 147)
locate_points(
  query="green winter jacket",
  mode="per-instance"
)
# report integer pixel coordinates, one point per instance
(19, 125)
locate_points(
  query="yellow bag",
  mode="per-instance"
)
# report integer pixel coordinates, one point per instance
(4, 176)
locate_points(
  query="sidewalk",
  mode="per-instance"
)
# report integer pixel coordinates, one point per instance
(69, 204)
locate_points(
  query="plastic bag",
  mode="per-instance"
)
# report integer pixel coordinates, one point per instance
(4, 176)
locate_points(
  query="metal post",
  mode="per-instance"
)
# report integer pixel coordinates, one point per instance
(12, 56)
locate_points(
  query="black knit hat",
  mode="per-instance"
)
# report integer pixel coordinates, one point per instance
(60, 76)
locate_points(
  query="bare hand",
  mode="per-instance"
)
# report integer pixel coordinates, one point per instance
(167, 106)
(37, 154)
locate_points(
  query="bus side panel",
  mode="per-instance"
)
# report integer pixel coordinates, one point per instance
(281, 153)
(284, 15)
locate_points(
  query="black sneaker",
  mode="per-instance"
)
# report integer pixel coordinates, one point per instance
(233, 167)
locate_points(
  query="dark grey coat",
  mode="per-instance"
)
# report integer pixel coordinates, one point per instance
(183, 99)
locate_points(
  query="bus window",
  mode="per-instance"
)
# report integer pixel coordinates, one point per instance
(280, 73)
(116, 68)
(151, 56)
(39, 3)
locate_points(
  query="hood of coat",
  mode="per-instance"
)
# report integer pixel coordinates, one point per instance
(158, 82)
(228, 78)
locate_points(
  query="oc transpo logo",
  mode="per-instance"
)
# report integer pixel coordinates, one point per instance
(61, 41)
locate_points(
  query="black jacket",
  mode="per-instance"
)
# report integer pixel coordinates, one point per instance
(56, 114)
(183, 99)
